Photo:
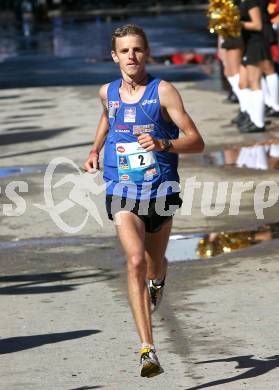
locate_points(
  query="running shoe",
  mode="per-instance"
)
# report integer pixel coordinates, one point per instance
(241, 116)
(251, 128)
(270, 112)
(156, 293)
(149, 362)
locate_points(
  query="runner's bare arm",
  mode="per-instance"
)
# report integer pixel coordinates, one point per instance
(174, 111)
(92, 161)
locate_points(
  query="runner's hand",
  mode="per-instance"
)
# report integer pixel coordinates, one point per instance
(149, 143)
(92, 163)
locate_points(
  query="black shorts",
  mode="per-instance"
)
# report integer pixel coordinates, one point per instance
(233, 43)
(146, 210)
(270, 34)
(256, 51)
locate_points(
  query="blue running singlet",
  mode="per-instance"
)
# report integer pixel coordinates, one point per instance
(132, 171)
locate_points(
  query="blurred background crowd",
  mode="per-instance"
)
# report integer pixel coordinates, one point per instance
(248, 49)
(249, 54)
(238, 37)
(40, 8)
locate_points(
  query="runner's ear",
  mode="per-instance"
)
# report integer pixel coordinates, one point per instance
(114, 56)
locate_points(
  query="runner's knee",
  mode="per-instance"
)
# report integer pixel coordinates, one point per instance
(136, 263)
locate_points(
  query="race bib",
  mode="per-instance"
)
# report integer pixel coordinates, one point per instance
(135, 164)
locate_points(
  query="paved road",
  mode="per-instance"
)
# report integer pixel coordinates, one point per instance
(65, 321)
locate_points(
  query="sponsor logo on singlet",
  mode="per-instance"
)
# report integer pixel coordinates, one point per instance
(114, 103)
(151, 171)
(113, 106)
(122, 129)
(120, 149)
(125, 177)
(151, 101)
(122, 162)
(138, 129)
(130, 114)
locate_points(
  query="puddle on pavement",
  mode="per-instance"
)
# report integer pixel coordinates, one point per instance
(203, 246)
(16, 171)
(56, 241)
(181, 247)
(26, 170)
(262, 156)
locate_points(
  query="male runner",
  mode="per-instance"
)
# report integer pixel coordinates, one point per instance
(140, 127)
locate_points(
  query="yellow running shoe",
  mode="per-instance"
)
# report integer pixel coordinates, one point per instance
(150, 365)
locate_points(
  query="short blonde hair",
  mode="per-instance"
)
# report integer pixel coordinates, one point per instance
(128, 29)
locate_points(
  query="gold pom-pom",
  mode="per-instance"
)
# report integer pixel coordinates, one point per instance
(225, 242)
(224, 18)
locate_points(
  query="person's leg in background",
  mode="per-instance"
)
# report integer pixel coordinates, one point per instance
(244, 98)
(257, 109)
(223, 72)
(233, 61)
(272, 87)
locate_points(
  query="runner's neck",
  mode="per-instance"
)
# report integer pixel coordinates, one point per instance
(133, 85)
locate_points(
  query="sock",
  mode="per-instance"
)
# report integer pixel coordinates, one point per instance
(273, 85)
(147, 345)
(234, 82)
(257, 113)
(160, 282)
(266, 94)
(245, 100)
(274, 150)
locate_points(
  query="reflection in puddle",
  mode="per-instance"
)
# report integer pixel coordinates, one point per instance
(25, 170)
(216, 244)
(181, 247)
(204, 246)
(259, 156)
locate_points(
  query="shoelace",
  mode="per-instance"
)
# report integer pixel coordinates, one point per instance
(144, 356)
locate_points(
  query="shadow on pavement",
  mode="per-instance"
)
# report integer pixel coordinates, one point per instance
(36, 101)
(16, 344)
(25, 116)
(258, 367)
(46, 107)
(31, 283)
(88, 388)
(46, 71)
(20, 128)
(46, 150)
(9, 97)
(30, 136)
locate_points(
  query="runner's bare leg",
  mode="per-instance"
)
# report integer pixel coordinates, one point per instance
(156, 245)
(131, 233)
